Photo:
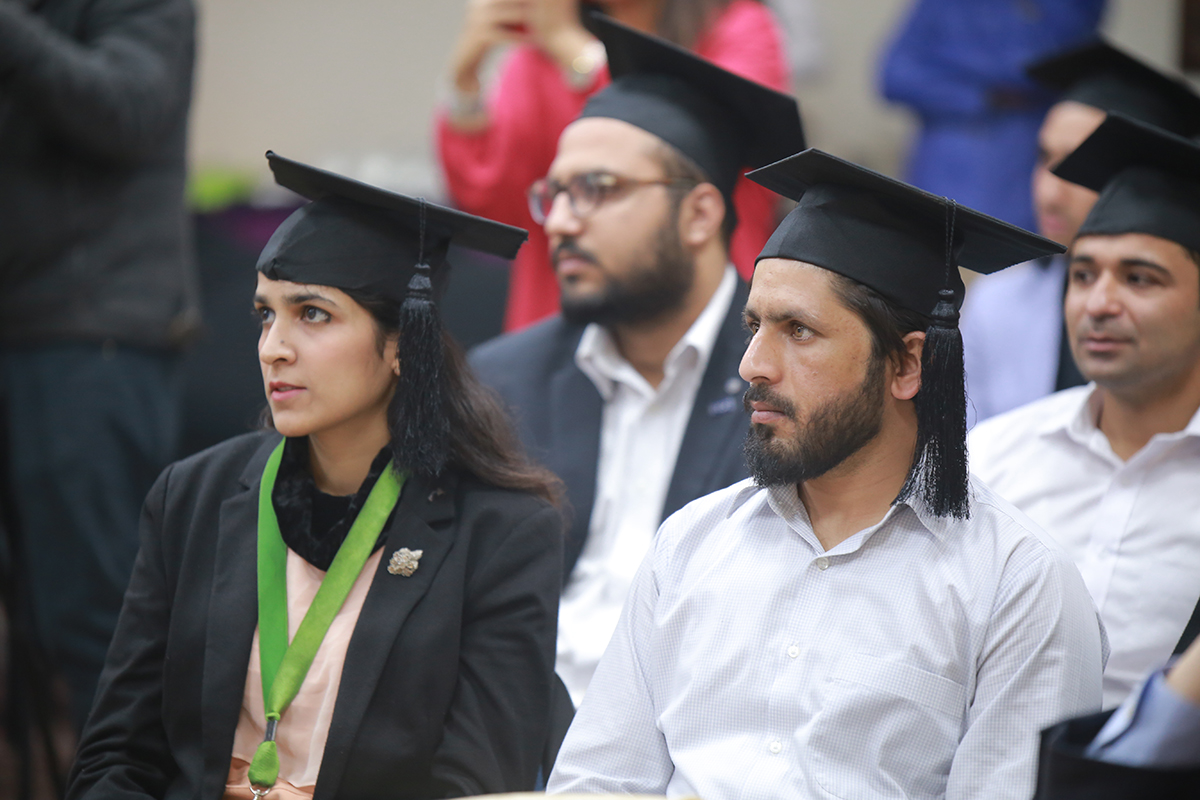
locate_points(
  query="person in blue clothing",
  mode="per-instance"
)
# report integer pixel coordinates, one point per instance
(960, 66)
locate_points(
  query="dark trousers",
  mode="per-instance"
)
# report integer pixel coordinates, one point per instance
(88, 429)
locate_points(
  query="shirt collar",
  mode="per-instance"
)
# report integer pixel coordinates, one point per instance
(785, 501)
(1079, 421)
(598, 357)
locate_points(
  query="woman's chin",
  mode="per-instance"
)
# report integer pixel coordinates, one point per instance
(291, 425)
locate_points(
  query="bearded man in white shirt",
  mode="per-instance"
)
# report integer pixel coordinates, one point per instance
(863, 618)
(1112, 469)
(632, 395)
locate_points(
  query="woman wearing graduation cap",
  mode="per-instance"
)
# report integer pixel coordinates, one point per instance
(366, 605)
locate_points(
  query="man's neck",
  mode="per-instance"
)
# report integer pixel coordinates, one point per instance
(1130, 420)
(341, 458)
(858, 493)
(646, 345)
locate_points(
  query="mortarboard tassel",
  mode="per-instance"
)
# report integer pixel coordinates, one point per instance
(940, 462)
(423, 439)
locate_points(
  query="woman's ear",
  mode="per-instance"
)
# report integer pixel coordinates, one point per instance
(906, 381)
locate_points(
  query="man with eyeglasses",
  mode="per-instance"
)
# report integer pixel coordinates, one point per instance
(632, 395)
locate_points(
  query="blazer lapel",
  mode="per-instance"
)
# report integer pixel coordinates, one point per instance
(232, 618)
(576, 411)
(711, 454)
(389, 601)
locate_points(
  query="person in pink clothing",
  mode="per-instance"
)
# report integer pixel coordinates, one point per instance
(492, 149)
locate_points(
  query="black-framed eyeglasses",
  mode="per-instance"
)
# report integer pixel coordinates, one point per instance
(587, 191)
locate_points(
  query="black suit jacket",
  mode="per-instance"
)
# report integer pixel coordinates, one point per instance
(1065, 773)
(558, 413)
(447, 682)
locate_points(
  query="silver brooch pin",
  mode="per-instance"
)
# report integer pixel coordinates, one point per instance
(405, 562)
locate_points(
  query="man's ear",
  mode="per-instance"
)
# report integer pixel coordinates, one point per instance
(701, 215)
(906, 381)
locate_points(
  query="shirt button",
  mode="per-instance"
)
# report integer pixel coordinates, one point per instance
(793, 651)
(822, 563)
(776, 747)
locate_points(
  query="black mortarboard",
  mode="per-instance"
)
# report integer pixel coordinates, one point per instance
(1148, 179)
(358, 237)
(1105, 77)
(906, 244)
(885, 233)
(721, 121)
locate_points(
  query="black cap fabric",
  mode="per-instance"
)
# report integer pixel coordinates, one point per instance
(1105, 77)
(1148, 179)
(885, 233)
(360, 237)
(721, 121)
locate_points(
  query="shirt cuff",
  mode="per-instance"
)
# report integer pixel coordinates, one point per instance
(1154, 727)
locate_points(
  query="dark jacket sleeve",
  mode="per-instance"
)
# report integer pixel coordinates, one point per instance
(1065, 773)
(113, 89)
(124, 750)
(497, 726)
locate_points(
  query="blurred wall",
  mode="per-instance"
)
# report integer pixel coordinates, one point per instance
(353, 84)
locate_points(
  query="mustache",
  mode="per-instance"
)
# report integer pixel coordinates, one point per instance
(761, 393)
(567, 248)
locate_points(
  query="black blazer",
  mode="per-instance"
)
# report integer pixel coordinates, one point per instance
(1065, 773)
(447, 682)
(557, 410)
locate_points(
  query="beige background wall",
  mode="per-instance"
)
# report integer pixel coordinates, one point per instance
(352, 84)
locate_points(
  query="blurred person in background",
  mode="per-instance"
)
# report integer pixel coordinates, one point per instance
(99, 295)
(492, 148)
(631, 395)
(960, 66)
(1110, 469)
(359, 601)
(1012, 325)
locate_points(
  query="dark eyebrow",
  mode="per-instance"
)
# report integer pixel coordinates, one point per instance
(306, 297)
(1141, 262)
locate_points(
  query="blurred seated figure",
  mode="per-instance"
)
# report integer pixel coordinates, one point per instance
(492, 148)
(1110, 469)
(959, 65)
(1012, 322)
(99, 297)
(862, 618)
(360, 601)
(632, 395)
(1147, 748)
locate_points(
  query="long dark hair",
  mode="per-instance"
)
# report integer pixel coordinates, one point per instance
(481, 437)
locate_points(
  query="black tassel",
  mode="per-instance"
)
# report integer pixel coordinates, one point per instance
(424, 434)
(939, 471)
(940, 462)
(421, 445)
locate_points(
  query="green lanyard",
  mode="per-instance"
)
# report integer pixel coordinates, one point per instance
(284, 666)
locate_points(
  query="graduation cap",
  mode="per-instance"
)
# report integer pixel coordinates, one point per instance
(721, 121)
(907, 245)
(1148, 180)
(358, 237)
(1105, 77)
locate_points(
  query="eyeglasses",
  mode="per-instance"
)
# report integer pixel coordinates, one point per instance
(586, 192)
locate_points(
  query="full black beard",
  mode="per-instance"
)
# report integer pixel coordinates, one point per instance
(653, 287)
(834, 431)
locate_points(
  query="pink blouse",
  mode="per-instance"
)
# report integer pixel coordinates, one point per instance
(305, 723)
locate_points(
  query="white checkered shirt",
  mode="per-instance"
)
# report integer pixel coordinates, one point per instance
(917, 659)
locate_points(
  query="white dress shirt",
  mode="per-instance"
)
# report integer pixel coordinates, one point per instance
(1132, 527)
(641, 432)
(919, 658)
(1012, 328)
